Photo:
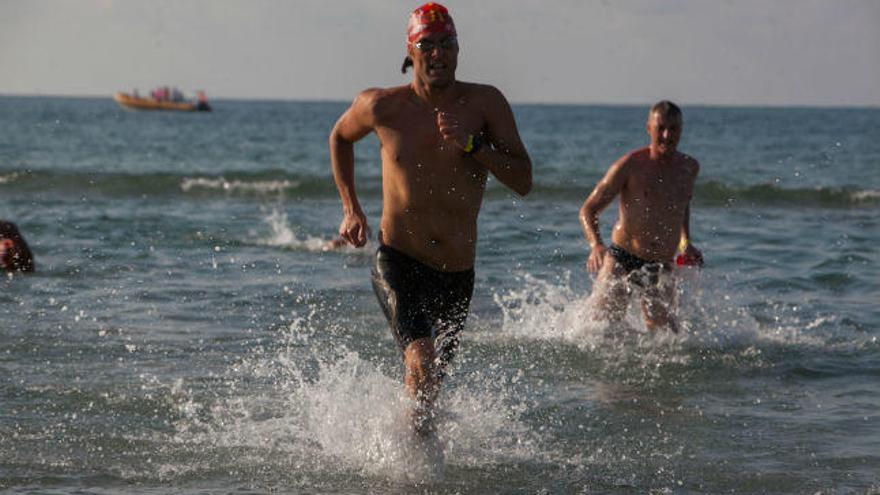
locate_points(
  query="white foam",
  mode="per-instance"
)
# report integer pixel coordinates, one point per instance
(869, 195)
(6, 179)
(358, 415)
(711, 315)
(260, 187)
(546, 311)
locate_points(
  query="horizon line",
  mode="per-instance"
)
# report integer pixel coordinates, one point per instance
(866, 106)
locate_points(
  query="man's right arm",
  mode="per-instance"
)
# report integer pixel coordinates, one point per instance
(354, 124)
(603, 194)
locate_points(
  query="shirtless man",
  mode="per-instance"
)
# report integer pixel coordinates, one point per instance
(655, 185)
(440, 138)
(15, 255)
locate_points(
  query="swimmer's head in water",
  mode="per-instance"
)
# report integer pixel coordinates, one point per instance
(430, 18)
(7, 254)
(15, 255)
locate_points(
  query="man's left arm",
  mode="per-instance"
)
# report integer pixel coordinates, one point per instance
(690, 251)
(504, 155)
(685, 237)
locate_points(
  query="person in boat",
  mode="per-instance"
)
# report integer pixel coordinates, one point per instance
(202, 103)
(15, 254)
(655, 185)
(440, 139)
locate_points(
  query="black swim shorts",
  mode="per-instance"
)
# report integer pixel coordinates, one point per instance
(420, 301)
(639, 271)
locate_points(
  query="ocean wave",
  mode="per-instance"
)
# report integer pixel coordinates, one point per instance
(714, 192)
(7, 178)
(717, 193)
(275, 183)
(231, 186)
(269, 183)
(869, 195)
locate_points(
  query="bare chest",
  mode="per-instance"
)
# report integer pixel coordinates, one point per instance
(659, 190)
(413, 132)
(414, 152)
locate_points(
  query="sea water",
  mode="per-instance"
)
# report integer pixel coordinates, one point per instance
(185, 332)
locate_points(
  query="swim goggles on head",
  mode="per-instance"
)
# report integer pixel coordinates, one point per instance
(427, 46)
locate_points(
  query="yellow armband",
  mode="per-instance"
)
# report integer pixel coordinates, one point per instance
(473, 144)
(682, 245)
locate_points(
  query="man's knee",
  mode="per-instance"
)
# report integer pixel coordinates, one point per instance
(610, 311)
(658, 315)
(611, 297)
(445, 349)
(419, 354)
(421, 373)
(667, 323)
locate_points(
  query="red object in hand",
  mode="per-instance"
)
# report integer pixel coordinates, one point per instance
(683, 260)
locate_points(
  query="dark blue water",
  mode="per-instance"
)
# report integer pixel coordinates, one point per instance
(185, 332)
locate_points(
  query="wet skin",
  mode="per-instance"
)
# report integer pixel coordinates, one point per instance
(655, 185)
(431, 190)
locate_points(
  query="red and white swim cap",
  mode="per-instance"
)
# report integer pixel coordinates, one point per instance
(428, 19)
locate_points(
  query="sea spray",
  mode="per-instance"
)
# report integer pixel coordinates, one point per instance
(314, 400)
(284, 235)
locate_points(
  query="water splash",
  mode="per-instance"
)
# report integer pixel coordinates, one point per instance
(713, 317)
(284, 235)
(315, 403)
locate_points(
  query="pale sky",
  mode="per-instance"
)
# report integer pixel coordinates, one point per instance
(728, 52)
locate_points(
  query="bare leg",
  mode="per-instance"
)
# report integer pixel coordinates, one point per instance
(612, 297)
(658, 306)
(421, 382)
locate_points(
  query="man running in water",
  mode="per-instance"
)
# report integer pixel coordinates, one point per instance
(655, 185)
(440, 138)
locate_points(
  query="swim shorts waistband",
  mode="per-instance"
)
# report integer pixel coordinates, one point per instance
(631, 262)
(384, 248)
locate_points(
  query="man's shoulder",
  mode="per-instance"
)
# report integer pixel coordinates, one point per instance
(635, 157)
(479, 92)
(642, 153)
(689, 163)
(380, 101)
(378, 96)
(477, 88)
